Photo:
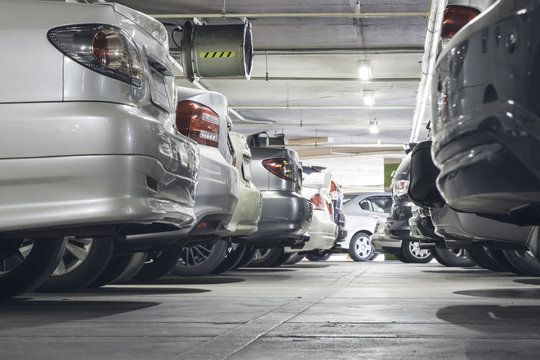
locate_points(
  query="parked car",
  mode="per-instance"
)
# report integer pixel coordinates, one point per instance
(394, 234)
(362, 211)
(485, 112)
(88, 147)
(286, 214)
(322, 230)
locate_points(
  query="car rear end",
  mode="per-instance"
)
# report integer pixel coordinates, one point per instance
(398, 221)
(86, 111)
(286, 215)
(486, 114)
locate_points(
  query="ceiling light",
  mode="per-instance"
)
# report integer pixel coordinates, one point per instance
(373, 127)
(369, 97)
(364, 70)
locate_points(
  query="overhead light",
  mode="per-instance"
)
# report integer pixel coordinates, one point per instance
(369, 97)
(364, 70)
(373, 127)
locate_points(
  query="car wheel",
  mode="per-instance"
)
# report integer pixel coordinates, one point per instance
(524, 261)
(360, 247)
(294, 258)
(483, 257)
(412, 253)
(83, 260)
(249, 254)
(452, 257)
(158, 263)
(26, 263)
(235, 252)
(318, 256)
(116, 267)
(201, 259)
(266, 257)
(134, 266)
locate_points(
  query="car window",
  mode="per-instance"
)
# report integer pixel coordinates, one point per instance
(380, 204)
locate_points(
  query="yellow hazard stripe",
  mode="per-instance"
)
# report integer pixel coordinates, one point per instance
(217, 54)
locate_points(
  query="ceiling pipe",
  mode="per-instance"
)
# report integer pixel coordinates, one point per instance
(339, 79)
(354, 15)
(428, 66)
(339, 51)
(320, 107)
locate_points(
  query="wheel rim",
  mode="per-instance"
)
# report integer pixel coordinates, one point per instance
(75, 254)
(191, 256)
(414, 247)
(15, 257)
(261, 254)
(363, 247)
(459, 253)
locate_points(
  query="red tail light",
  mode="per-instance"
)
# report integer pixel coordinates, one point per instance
(330, 207)
(318, 202)
(280, 167)
(333, 186)
(456, 17)
(198, 122)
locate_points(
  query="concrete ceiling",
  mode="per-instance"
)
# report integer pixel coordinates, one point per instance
(310, 50)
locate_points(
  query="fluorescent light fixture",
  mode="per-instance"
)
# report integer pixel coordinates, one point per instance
(369, 97)
(364, 70)
(373, 127)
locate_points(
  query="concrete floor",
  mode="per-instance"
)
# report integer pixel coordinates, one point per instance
(326, 310)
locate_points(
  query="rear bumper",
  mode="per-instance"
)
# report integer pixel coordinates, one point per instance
(322, 233)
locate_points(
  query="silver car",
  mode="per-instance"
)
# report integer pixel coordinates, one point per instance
(87, 143)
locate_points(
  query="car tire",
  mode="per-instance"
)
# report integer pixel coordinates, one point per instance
(266, 257)
(134, 266)
(294, 259)
(360, 247)
(523, 261)
(83, 260)
(319, 256)
(233, 257)
(157, 264)
(247, 257)
(483, 257)
(26, 263)
(411, 252)
(282, 258)
(117, 265)
(452, 257)
(197, 260)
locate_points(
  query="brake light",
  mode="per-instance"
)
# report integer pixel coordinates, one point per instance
(401, 187)
(330, 207)
(198, 122)
(318, 202)
(333, 186)
(456, 17)
(280, 167)
(102, 48)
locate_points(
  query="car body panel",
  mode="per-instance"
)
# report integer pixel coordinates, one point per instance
(137, 170)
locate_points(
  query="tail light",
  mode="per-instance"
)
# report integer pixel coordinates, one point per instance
(198, 122)
(318, 202)
(401, 187)
(330, 207)
(456, 17)
(280, 167)
(103, 48)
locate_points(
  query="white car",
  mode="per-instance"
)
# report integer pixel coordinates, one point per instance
(363, 211)
(323, 230)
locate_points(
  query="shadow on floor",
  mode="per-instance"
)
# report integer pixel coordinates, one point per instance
(263, 270)
(531, 293)
(307, 265)
(192, 280)
(27, 312)
(133, 289)
(533, 281)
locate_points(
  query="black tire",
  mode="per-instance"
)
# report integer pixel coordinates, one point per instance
(360, 247)
(197, 260)
(233, 257)
(117, 265)
(247, 257)
(411, 252)
(282, 258)
(317, 256)
(523, 261)
(83, 260)
(134, 266)
(483, 258)
(158, 263)
(501, 259)
(452, 257)
(266, 257)
(26, 263)
(294, 259)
